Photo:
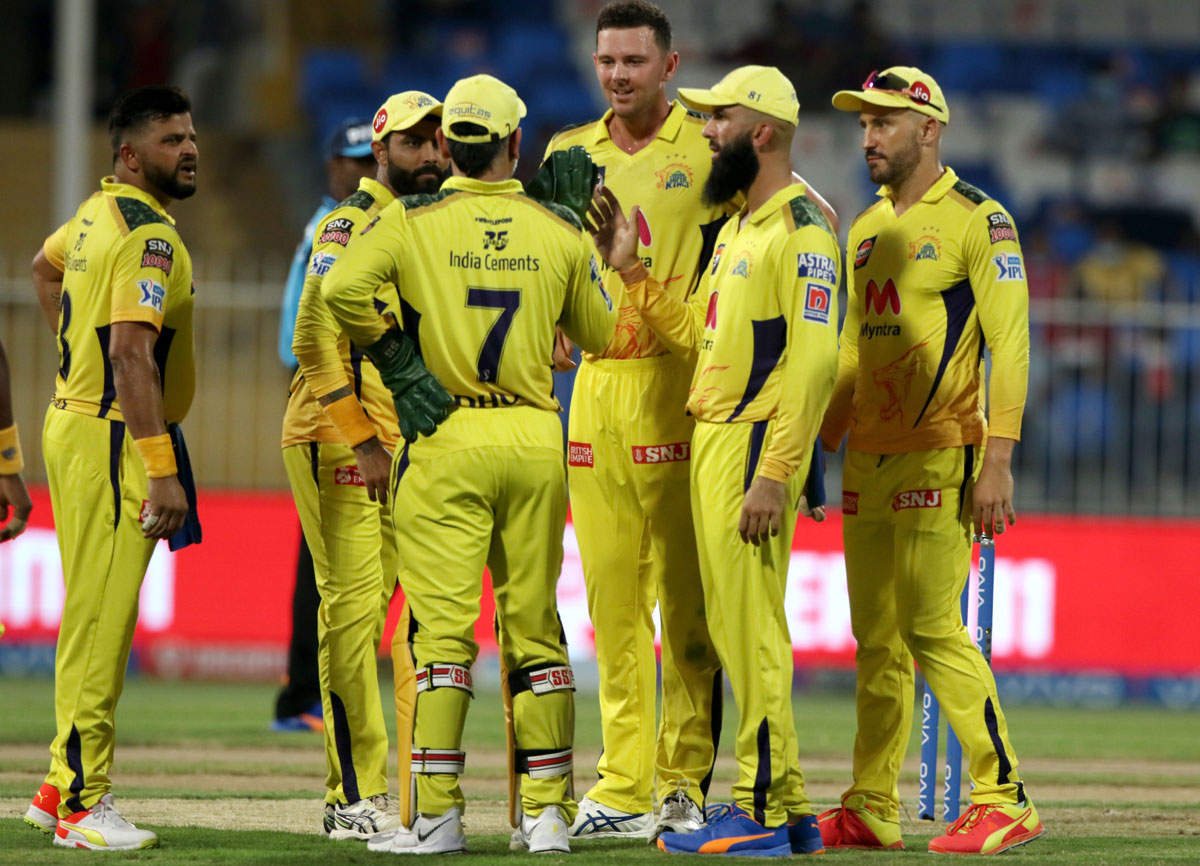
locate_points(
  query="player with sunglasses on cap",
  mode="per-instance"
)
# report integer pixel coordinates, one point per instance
(934, 272)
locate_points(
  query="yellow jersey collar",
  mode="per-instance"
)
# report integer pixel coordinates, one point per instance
(667, 132)
(111, 186)
(775, 202)
(381, 193)
(940, 187)
(484, 187)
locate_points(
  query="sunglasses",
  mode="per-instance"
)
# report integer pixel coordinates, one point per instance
(890, 82)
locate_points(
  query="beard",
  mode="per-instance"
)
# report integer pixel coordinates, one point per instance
(425, 179)
(733, 170)
(895, 168)
(169, 182)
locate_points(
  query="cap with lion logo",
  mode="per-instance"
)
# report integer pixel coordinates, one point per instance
(403, 111)
(485, 101)
(762, 88)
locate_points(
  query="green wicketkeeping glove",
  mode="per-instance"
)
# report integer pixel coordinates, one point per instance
(421, 401)
(567, 177)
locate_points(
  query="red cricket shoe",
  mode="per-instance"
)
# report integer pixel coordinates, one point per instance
(854, 825)
(42, 813)
(989, 828)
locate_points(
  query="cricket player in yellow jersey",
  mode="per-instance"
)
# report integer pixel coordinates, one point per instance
(761, 333)
(121, 280)
(339, 434)
(629, 453)
(484, 274)
(934, 273)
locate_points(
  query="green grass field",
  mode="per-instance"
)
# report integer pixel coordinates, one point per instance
(196, 763)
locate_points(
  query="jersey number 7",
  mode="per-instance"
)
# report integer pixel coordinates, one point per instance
(507, 301)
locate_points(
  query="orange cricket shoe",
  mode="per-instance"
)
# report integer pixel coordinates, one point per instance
(42, 813)
(989, 828)
(854, 825)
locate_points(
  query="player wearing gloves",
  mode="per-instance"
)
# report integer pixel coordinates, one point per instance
(340, 431)
(484, 273)
(761, 334)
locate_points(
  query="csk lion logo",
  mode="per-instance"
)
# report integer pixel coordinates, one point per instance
(895, 379)
(675, 176)
(925, 247)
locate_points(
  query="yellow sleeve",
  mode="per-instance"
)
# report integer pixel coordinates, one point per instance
(142, 275)
(55, 247)
(348, 288)
(809, 305)
(841, 404)
(997, 273)
(315, 339)
(679, 324)
(588, 317)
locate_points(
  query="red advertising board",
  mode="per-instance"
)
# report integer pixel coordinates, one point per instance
(1072, 594)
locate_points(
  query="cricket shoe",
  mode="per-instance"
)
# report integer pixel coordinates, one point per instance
(429, 834)
(364, 819)
(102, 828)
(545, 834)
(854, 825)
(678, 813)
(737, 834)
(989, 828)
(804, 835)
(329, 819)
(597, 821)
(42, 813)
(312, 720)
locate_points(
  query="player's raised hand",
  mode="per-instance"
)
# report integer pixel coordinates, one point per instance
(762, 510)
(375, 468)
(615, 235)
(14, 494)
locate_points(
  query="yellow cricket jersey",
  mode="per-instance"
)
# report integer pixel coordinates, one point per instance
(762, 328)
(122, 261)
(676, 229)
(484, 274)
(925, 291)
(327, 358)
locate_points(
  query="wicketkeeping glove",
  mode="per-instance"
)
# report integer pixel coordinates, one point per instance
(421, 401)
(567, 177)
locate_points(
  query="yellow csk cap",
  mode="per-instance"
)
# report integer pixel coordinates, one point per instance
(761, 88)
(484, 101)
(403, 111)
(897, 87)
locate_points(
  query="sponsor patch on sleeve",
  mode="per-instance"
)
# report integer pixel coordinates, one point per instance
(336, 232)
(816, 266)
(1000, 228)
(817, 297)
(158, 254)
(153, 294)
(579, 454)
(321, 263)
(1009, 267)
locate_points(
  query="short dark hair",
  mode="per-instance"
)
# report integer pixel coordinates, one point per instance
(473, 158)
(135, 108)
(627, 14)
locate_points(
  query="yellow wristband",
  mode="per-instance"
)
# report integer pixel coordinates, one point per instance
(352, 422)
(10, 451)
(158, 455)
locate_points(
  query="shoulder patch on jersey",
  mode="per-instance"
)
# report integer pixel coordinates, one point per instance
(424, 199)
(805, 212)
(971, 193)
(360, 199)
(563, 213)
(138, 213)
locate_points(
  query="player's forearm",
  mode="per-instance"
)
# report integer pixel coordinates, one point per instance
(316, 344)
(998, 451)
(6, 415)
(677, 323)
(139, 393)
(348, 294)
(47, 283)
(806, 388)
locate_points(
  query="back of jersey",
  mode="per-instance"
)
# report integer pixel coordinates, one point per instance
(484, 275)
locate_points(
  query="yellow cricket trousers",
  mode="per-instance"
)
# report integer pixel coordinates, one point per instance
(97, 487)
(354, 558)
(744, 589)
(629, 456)
(488, 489)
(907, 529)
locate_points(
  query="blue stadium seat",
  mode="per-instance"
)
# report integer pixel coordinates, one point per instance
(332, 74)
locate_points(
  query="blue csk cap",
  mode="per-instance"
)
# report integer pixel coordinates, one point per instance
(351, 137)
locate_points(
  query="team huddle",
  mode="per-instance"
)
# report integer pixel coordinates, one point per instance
(675, 245)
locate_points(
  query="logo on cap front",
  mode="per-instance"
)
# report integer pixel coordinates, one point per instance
(920, 91)
(380, 120)
(415, 102)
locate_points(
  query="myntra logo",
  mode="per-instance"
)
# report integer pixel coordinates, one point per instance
(880, 300)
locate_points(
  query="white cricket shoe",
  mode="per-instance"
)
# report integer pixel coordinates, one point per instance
(678, 813)
(102, 828)
(429, 834)
(364, 819)
(597, 821)
(545, 834)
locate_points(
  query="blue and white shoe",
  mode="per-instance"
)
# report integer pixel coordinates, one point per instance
(597, 821)
(736, 835)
